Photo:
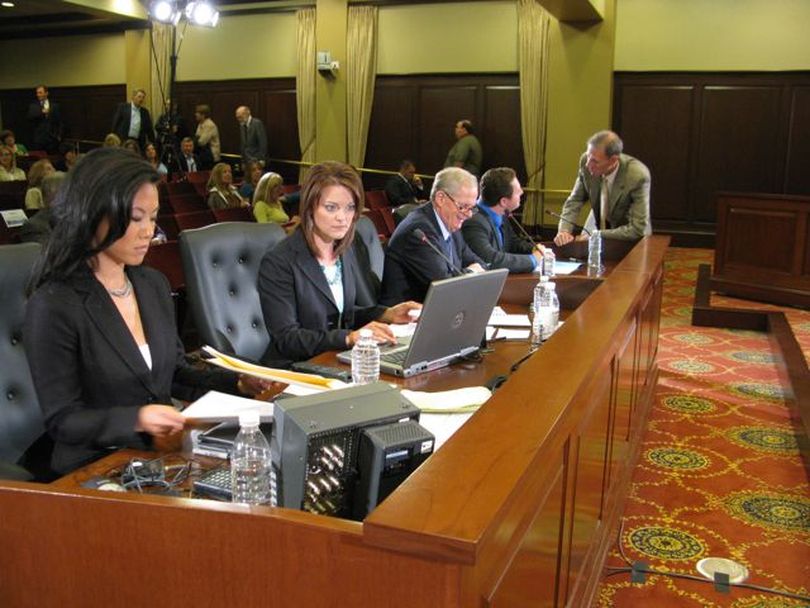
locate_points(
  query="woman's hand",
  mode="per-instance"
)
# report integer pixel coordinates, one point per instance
(401, 313)
(380, 332)
(159, 420)
(258, 388)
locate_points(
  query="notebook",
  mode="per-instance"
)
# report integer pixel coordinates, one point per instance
(454, 318)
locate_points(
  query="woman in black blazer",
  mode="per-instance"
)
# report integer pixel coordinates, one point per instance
(310, 285)
(100, 333)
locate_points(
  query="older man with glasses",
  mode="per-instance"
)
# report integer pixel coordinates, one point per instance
(427, 245)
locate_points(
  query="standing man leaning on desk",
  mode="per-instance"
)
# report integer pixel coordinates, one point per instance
(617, 187)
(489, 232)
(410, 262)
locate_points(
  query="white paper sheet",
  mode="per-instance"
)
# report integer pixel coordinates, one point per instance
(217, 407)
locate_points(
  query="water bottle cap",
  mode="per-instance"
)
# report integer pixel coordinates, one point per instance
(544, 279)
(249, 418)
(366, 333)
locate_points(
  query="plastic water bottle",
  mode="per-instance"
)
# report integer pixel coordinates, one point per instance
(538, 319)
(250, 462)
(548, 262)
(551, 309)
(595, 253)
(365, 359)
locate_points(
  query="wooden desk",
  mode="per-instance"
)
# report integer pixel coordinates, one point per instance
(517, 509)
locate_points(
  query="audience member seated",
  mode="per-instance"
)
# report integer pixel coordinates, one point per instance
(405, 187)
(38, 171)
(100, 334)
(38, 227)
(151, 155)
(206, 137)
(489, 232)
(188, 161)
(410, 262)
(9, 171)
(253, 171)
(308, 283)
(267, 200)
(7, 138)
(111, 140)
(70, 156)
(221, 191)
(133, 146)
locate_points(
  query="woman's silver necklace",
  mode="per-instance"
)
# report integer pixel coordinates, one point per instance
(124, 291)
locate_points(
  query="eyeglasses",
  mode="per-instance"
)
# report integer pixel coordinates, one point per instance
(464, 209)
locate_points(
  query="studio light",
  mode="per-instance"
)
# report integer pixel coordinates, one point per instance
(201, 13)
(165, 11)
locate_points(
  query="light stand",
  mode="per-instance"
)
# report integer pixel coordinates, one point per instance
(170, 12)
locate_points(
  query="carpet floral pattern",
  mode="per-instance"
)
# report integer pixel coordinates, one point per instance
(720, 473)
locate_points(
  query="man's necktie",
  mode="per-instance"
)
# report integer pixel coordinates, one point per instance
(604, 197)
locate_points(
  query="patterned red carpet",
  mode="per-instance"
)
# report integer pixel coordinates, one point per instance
(719, 474)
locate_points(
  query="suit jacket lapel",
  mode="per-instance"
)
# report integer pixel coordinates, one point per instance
(310, 267)
(110, 324)
(159, 335)
(618, 186)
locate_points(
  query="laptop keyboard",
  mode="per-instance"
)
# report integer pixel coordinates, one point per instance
(396, 357)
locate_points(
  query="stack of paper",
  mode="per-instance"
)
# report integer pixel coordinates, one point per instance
(285, 376)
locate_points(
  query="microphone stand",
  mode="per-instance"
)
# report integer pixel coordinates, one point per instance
(557, 215)
(522, 231)
(420, 234)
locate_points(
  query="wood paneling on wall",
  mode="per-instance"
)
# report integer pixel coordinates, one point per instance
(707, 132)
(87, 112)
(413, 117)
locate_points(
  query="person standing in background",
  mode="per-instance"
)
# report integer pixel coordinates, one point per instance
(466, 152)
(132, 121)
(206, 137)
(252, 136)
(46, 121)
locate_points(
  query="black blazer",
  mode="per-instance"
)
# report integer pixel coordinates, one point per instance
(410, 264)
(182, 163)
(47, 128)
(299, 310)
(122, 118)
(481, 235)
(400, 191)
(254, 147)
(89, 375)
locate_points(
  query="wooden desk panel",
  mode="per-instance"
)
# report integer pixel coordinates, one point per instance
(763, 247)
(517, 508)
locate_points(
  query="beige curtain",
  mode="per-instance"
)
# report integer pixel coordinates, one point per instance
(160, 62)
(305, 82)
(361, 68)
(533, 60)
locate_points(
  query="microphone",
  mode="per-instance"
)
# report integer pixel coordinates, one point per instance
(522, 230)
(557, 215)
(420, 234)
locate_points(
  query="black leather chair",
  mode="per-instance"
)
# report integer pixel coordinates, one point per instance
(401, 212)
(221, 265)
(24, 446)
(371, 258)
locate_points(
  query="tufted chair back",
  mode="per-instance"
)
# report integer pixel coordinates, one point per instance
(21, 421)
(366, 233)
(221, 264)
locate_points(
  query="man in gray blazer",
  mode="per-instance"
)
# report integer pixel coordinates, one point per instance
(618, 188)
(252, 136)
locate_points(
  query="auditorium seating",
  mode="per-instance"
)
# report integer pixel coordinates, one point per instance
(234, 214)
(221, 265)
(185, 203)
(194, 219)
(377, 199)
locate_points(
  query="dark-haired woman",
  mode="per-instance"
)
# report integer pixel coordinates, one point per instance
(310, 284)
(100, 333)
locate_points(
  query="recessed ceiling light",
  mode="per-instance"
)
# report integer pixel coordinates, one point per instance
(7, 4)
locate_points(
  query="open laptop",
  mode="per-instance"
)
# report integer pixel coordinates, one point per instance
(453, 321)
